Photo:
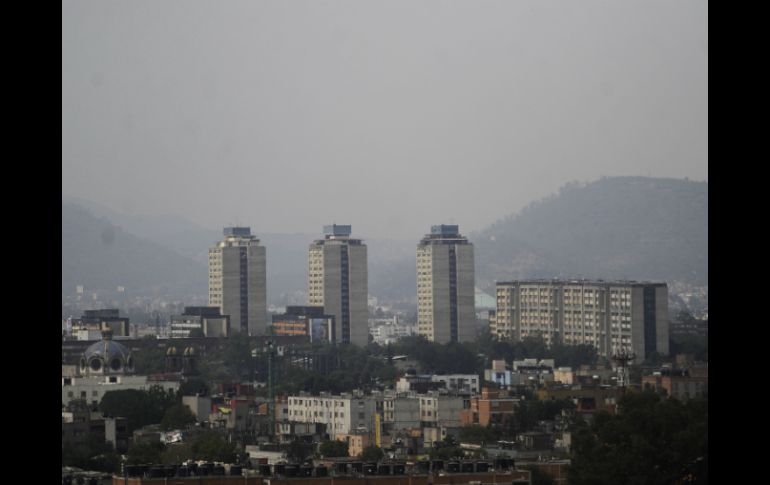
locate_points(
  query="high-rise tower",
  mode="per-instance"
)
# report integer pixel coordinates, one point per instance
(238, 282)
(338, 281)
(445, 286)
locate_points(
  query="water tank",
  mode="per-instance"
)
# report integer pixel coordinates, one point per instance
(204, 469)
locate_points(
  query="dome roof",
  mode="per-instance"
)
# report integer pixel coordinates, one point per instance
(107, 350)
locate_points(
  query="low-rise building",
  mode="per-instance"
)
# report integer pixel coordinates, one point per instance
(490, 407)
(343, 414)
(107, 366)
(309, 321)
(677, 383)
(206, 319)
(438, 410)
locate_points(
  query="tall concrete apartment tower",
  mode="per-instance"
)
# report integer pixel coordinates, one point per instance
(238, 281)
(446, 286)
(338, 281)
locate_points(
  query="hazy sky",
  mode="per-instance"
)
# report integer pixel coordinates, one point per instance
(387, 115)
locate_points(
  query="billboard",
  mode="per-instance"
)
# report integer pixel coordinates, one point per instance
(320, 329)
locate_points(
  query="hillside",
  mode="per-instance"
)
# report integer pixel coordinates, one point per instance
(99, 255)
(623, 227)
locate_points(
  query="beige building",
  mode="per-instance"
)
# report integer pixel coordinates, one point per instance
(238, 280)
(608, 315)
(338, 281)
(345, 414)
(445, 286)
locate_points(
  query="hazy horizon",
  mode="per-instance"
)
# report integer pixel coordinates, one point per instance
(389, 116)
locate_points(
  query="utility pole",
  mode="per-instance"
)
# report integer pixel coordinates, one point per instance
(270, 390)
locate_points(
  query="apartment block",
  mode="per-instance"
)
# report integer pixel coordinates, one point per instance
(610, 316)
(446, 286)
(338, 281)
(238, 280)
(341, 414)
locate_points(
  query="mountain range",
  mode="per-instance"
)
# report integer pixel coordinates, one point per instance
(637, 228)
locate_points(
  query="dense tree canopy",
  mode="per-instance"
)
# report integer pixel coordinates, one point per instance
(372, 453)
(139, 407)
(333, 448)
(650, 441)
(212, 446)
(177, 416)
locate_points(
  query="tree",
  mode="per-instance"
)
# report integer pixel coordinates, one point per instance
(144, 452)
(372, 453)
(650, 441)
(139, 407)
(335, 448)
(212, 446)
(177, 416)
(177, 453)
(478, 434)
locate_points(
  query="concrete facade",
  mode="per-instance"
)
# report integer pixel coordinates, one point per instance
(608, 315)
(238, 280)
(338, 281)
(446, 286)
(340, 414)
(93, 388)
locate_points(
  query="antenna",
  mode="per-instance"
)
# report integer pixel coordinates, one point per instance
(623, 356)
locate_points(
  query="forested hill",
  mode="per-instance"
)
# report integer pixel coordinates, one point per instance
(621, 227)
(97, 254)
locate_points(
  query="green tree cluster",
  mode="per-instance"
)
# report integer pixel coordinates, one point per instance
(139, 407)
(479, 434)
(650, 441)
(333, 448)
(209, 445)
(177, 416)
(372, 453)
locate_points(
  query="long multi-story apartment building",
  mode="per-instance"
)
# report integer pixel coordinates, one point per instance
(445, 286)
(341, 414)
(338, 281)
(238, 281)
(610, 315)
